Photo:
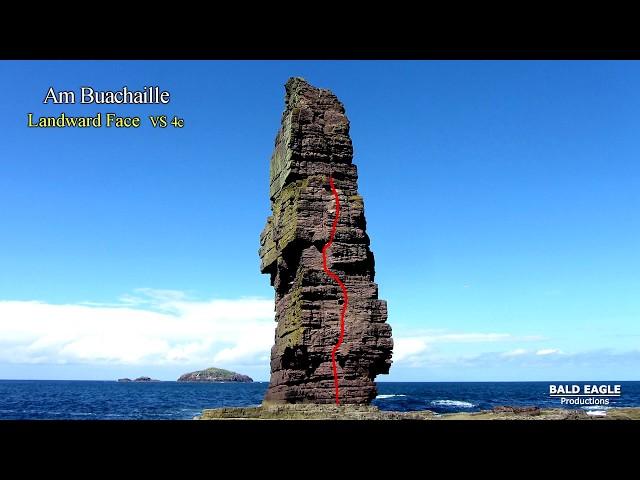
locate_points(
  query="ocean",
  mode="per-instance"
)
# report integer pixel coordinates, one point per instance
(95, 400)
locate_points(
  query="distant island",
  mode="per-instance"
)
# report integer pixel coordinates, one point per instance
(214, 375)
(139, 379)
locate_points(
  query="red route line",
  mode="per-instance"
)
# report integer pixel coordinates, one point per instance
(335, 277)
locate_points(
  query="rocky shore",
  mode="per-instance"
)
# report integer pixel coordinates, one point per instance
(368, 412)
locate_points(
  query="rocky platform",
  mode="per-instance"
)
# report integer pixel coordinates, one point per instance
(369, 412)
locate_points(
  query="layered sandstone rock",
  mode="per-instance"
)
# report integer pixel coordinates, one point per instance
(312, 145)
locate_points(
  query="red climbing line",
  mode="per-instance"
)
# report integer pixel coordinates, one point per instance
(345, 295)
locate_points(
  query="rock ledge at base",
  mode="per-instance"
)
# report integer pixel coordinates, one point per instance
(369, 412)
(309, 411)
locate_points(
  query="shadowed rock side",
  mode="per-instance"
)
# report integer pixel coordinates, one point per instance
(312, 144)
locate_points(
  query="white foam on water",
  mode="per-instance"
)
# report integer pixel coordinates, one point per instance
(452, 403)
(597, 413)
(382, 397)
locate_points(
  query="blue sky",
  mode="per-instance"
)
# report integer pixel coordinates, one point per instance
(501, 201)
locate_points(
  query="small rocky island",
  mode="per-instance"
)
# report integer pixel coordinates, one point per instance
(139, 379)
(214, 375)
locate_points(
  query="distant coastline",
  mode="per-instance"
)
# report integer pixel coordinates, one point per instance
(139, 379)
(215, 375)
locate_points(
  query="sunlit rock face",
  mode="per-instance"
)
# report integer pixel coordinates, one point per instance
(313, 144)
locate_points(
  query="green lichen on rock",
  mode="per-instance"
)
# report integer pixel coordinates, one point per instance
(286, 214)
(291, 329)
(356, 201)
(282, 224)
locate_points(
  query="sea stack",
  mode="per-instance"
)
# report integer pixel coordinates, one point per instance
(313, 148)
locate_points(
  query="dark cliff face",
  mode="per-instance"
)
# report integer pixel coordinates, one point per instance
(312, 145)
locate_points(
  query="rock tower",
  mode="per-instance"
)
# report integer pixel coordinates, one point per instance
(313, 145)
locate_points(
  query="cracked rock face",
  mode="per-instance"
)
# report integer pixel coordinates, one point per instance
(312, 144)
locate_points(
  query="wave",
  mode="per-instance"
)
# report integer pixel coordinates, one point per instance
(382, 397)
(452, 403)
(597, 413)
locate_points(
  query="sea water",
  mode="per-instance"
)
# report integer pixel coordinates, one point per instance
(93, 400)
